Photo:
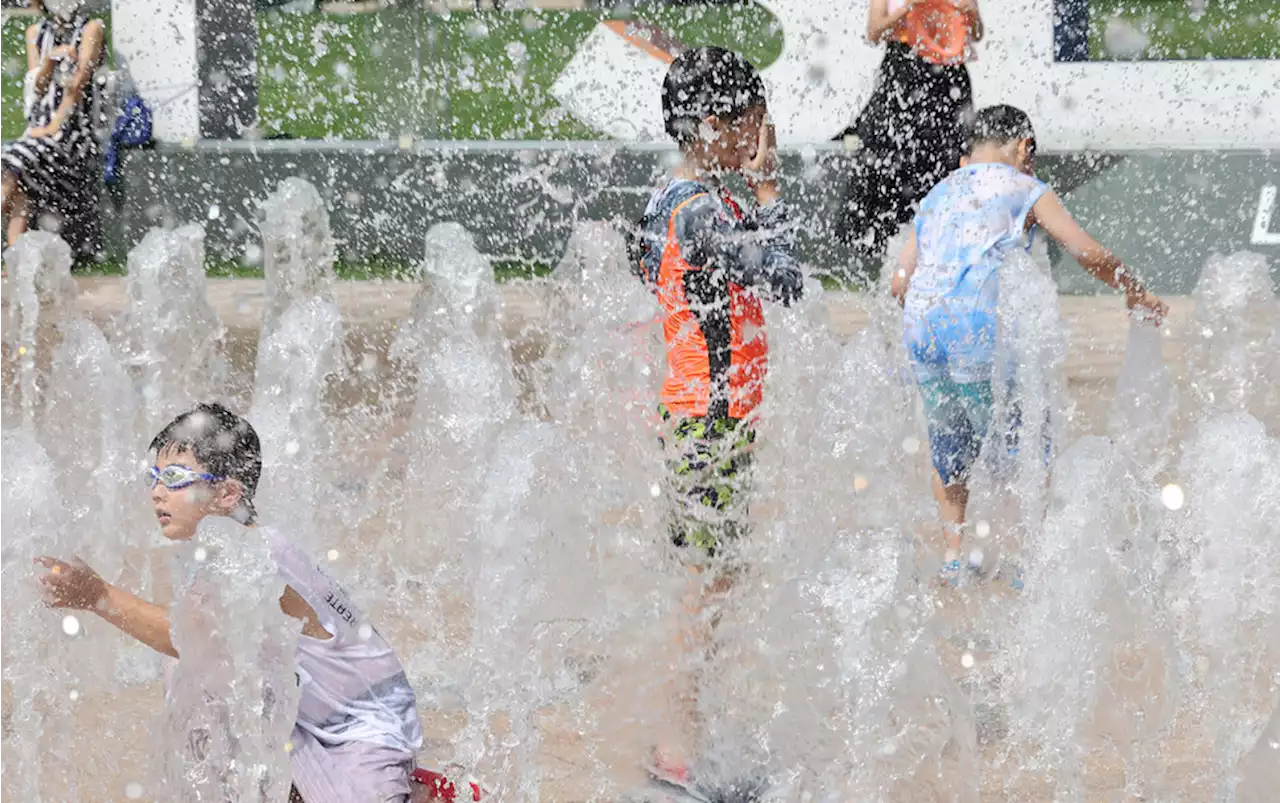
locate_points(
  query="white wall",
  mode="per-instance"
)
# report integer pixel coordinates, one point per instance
(1122, 105)
(157, 38)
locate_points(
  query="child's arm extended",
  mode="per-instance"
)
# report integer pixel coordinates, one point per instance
(1106, 267)
(76, 585)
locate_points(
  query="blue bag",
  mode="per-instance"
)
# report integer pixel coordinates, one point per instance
(132, 129)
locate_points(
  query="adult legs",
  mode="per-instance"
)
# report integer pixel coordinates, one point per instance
(14, 207)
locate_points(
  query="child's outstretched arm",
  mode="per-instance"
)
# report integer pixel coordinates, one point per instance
(75, 585)
(1106, 267)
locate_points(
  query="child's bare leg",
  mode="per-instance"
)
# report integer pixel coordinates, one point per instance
(952, 500)
(698, 616)
(15, 207)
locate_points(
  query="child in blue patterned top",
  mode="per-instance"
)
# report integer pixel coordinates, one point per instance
(948, 284)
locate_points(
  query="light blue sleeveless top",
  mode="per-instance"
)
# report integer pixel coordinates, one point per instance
(965, 227)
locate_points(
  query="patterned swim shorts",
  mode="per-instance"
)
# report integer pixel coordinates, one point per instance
(708, 477)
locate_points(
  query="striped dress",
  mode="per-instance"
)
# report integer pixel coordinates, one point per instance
(66, 162)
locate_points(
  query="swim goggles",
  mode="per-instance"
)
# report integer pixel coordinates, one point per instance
(174, 476)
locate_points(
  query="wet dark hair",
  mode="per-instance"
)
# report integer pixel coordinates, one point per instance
(1001, 124)
(704, 81)
(223, 442)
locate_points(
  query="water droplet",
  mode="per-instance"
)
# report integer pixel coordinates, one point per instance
(365, 632)
(1172, 496)
(70, 625)
(655, 491)
(975, 559)
(468, 308)
(889, 749)
(291, 448)
(859, 483)
(214, 212)
(406, 142)
(982, 529)
(911, 444)
(133, 790)
(333, 554)
(201, 553)
(966, 660)
(252, 256)
(75, 695)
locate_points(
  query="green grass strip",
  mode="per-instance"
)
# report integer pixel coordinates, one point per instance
(1178, 29)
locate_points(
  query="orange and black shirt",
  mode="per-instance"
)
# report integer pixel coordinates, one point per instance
(710, 264)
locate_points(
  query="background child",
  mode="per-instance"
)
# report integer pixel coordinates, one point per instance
(710, 262)
(948, 283)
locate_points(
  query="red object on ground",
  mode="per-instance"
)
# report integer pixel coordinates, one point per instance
(670, 771)
(441, 788)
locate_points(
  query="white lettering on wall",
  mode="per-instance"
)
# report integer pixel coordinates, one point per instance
(1262, 233)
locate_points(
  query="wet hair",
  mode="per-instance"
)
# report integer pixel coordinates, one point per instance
(707, 81)
(223, 442)
(1001, 124)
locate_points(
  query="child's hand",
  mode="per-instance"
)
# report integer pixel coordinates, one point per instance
(1155, 309)
(72, 585)
(761, 171)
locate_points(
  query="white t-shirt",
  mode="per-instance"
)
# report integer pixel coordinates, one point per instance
(352, 687)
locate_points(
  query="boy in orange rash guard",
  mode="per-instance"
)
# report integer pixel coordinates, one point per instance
(710, 263)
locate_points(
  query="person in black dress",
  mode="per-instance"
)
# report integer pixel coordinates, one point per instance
(56, 161)
(912, 129)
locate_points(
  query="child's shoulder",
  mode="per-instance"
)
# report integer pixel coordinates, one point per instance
(676, 191)
(683, 197)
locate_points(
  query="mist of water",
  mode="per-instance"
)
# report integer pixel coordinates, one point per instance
(37, 672)
(173, 334)
(464, 396)
(297, 249)
(42, 293)
(300, 351)
(230, 702)
(1232, 339)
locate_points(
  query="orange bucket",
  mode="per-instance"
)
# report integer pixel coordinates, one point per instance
(936, 31)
